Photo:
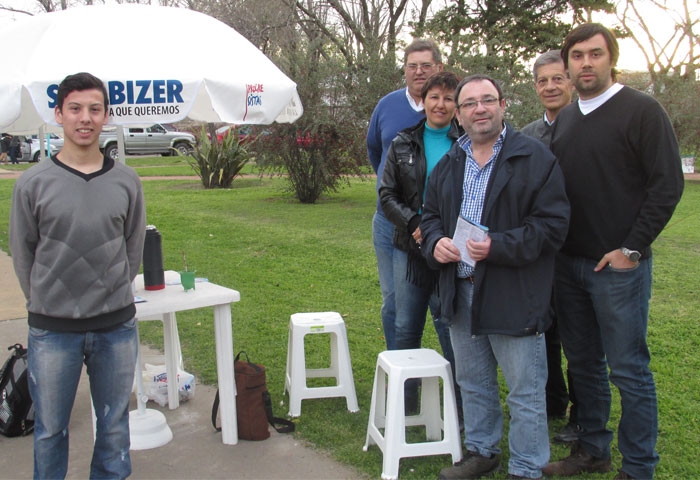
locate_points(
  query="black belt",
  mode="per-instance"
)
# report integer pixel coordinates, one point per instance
(469, 279)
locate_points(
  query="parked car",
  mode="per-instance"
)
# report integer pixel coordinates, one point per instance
(155, 139)
(246, 133)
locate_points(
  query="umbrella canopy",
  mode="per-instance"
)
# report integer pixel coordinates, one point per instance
(160, 64)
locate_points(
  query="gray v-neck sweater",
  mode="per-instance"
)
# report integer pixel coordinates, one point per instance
(77, 243)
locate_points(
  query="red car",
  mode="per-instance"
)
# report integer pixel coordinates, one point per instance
(246, 133)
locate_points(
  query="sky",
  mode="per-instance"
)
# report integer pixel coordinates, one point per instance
(631, 57)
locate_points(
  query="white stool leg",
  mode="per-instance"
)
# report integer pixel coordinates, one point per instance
(288, 374)
(298, 374)
(451, 420)
(345, 379)
(430, 398)
(395, 429)
(376, 408)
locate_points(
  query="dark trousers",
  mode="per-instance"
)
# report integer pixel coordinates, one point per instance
(557, 395)
(14, 153)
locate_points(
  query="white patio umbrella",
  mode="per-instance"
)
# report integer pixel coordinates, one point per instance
(160, 64)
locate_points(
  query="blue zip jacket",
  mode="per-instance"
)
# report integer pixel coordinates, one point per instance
(527, 213)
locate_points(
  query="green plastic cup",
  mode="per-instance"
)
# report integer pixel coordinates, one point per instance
(187, 280)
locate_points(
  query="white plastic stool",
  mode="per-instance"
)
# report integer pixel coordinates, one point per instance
(387, 408)
(300, 325)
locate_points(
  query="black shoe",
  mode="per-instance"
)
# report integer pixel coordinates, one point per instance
(569, 434)
(472, 465)
(623, 476)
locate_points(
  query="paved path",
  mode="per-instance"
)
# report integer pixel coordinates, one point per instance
(196, 451)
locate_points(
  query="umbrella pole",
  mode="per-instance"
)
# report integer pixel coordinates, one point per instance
(147, 428)
(120, 144)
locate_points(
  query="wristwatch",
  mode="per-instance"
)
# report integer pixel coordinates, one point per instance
(633, 255)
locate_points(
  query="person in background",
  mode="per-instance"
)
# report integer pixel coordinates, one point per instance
(411, 157)
(399, 109)
(622, 167)
(15, 151)
(497, 309)
(4, 147)
(555, 89)
(77, 229)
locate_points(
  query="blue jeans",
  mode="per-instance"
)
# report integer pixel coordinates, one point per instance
(383, 238)
(55, 363)
(603, 324)
(523, 361)
(412, 303)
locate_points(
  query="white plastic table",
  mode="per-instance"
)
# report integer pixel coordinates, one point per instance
(163, 304)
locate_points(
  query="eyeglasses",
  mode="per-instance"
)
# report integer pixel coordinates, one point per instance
(412, 67)
(471, 104)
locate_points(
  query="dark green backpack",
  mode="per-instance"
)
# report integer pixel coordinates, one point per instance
(16, 407)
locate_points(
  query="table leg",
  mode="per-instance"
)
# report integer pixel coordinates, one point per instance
(224, 366)
(171, 343)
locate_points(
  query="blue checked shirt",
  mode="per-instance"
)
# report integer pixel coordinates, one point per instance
(474, 188)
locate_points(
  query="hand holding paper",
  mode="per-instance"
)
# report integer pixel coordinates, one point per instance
(468, 230)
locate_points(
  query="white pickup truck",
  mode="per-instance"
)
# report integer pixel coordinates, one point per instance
(155, 139)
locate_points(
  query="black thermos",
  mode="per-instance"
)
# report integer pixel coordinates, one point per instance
(153, 275)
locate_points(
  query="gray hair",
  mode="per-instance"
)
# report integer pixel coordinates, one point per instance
(547, 58)
(422, 45)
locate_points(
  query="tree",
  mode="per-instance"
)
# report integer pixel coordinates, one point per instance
(671, 61)
(501, 37)
(267, 25)
(677, 52)
(326, 145)
(366, 34)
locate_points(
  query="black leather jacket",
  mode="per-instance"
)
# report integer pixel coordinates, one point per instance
(403, 182)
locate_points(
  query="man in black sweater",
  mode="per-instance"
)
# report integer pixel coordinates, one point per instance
(623, 175)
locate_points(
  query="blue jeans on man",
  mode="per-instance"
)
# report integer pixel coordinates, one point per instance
(603, 320)
(383, 239)
(523, 361)
(55, 364)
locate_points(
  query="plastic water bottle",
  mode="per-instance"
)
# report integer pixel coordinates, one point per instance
(153, 274)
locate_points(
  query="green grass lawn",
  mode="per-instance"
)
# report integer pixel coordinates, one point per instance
(150, 166)
(285, 257)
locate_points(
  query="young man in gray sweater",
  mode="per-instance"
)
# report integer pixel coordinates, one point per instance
(77, 228)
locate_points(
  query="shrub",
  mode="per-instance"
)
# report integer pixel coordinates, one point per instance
(318, 158)
(219, 163)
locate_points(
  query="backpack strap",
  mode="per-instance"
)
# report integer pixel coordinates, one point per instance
(215, 411)
(281, 425)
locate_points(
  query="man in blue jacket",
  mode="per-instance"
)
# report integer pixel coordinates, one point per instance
(498, 309)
